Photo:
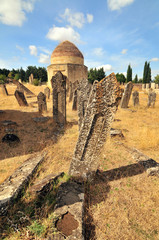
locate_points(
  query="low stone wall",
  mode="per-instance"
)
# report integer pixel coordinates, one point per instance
(12, 187)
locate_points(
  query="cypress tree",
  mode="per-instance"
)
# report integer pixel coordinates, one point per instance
(136, 79)
(129, 74)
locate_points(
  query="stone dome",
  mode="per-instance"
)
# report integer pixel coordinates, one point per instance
(67, 52)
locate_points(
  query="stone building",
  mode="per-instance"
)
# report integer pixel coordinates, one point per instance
(67, 59)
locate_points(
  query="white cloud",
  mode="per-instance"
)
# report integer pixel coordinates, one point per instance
(154, 59)
(33, 50)
(14, 12)
(20, 48)
(106, 67)
(43, 49)
(43, 58)
(124, 51)
(63, 33)
(98, 52)
(89, 18)
(75, 19)
(118, 4)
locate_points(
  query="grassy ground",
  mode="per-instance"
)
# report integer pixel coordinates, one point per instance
(123, 207)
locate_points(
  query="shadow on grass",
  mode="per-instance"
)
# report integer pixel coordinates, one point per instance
(34, 136)
(97, 190)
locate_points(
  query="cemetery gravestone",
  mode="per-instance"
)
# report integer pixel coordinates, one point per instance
(95, 127)
(74, 104)
(42, 102)
(47, 92)
(135, 98)
(151, 99)
(58, 83)
(83, 92)
(4, 89)
(20, 98)
(126, 95)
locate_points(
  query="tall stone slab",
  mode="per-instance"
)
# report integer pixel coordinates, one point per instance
(21, 87)
(151, 99)
(58, 83)
(42, 106)
(126, 95)
(31, 78)
(100, 111)
(74, 103)
(135, 98)
(70, 91)
(4, 89)
(47, 92)
(20, 98)
(83, 92)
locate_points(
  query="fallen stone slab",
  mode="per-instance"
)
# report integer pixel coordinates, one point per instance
(12, 187)
(69, 210)
(116, 132)
(45, 184)
(8, 123)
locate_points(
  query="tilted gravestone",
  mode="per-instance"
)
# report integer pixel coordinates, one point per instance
(20, 98)
(135, 98)
(4, 89)
(58, 83)
(151, 99)
(83, 92)
(126, 95)
(21, 87)
(47, 92)
(42, 102)
(74, 104)
(95, 127)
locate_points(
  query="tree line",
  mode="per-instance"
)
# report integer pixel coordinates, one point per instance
(94, 74)
(40, 74)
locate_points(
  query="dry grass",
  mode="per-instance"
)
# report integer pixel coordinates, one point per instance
(125, 206)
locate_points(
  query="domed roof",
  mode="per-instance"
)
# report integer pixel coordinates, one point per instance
(67, 52)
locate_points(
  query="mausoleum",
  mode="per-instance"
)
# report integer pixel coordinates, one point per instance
(67, 58)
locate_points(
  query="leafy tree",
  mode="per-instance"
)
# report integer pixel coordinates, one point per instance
(120, 77)
(22, 74)
(129, 74)
(156, 79)
(11, 75)
(2, 78)
(136, 79)
(147, 73)
(17, 76)
(94, 74)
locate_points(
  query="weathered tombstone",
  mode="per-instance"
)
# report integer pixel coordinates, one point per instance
(58, 83)
(147, 85)
(135, 98)
(47, 92)
(20, 98)
(21, 87)
(153, 85)
(126, 95)
(74, 104)
(151, 99)
(31, 78)
(95, 127)
(143, 86)
(83, 92)
(4, 89)
(42, 102)
(71, 92)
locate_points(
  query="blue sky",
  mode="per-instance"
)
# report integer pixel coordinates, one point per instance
(109, 33)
